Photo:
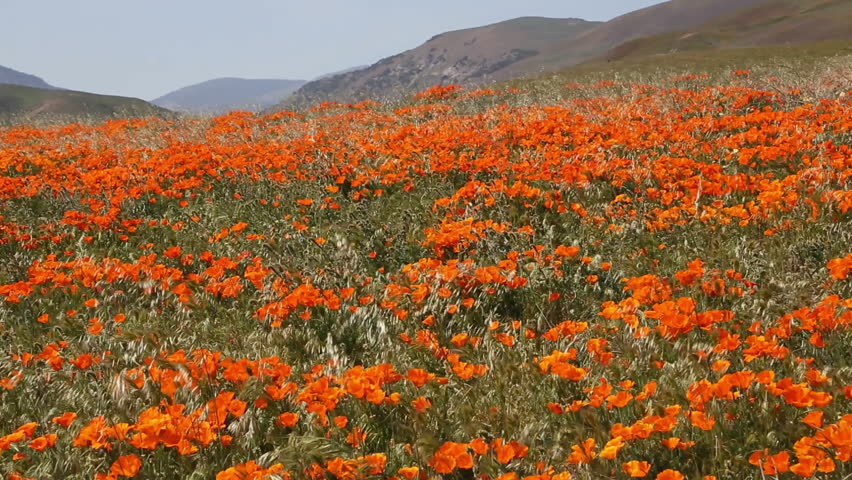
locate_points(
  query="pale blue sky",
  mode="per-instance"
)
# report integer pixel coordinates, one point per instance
(146, 48)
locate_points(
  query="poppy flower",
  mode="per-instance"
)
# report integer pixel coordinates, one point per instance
(636, 468)
(288, 419)
(126, 466)
(669, 474)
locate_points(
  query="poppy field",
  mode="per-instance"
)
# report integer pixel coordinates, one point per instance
(618, 280)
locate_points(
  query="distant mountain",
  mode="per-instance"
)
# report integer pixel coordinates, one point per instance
(531, 45)
(222, 95)
(462, 56)
(14, 77)
(21, 103)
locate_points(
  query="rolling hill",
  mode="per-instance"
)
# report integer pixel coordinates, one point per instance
(18, 102)
(777, 22)
(225, 94)
(533, 45)
(9, 76)
(471, 55)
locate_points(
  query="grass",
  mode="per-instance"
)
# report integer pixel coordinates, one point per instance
(796, 58)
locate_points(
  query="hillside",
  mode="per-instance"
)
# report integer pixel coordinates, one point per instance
(340, 72)
(226, 94)
(9, 76)
(528, 46)
(779, 22)
(463, 56)
(19, 102)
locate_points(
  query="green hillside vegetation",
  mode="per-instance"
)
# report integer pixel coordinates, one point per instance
(35, 105)
(699, 60)
(698, 66)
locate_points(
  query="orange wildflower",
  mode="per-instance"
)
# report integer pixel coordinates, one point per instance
(65, 420)
(583, 453)
(126, 466)
(670, 474)
(288, 419)
(636, 468)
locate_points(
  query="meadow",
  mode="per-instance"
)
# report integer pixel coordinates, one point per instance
(602, 279)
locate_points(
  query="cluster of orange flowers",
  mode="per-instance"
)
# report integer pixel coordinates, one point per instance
(635, 281)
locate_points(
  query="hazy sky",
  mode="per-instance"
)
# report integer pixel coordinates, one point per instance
(146, 48)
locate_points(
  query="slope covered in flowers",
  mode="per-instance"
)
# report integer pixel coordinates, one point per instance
(629, 280)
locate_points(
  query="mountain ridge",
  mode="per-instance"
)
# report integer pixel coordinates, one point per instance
(10, 76)
(486, 51)
(534, 45)
(220, 95)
